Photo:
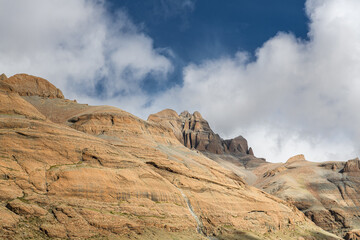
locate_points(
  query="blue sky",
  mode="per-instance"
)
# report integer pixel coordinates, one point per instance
(284, 73)
(205, 29)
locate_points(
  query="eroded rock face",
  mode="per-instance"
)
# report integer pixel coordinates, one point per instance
(27, 85)
(352, 166)
(104, 173)
(328, 193)
(195, 133)
(353, 235)
(296, 158)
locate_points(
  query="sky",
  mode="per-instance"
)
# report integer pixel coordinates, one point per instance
(283, 74)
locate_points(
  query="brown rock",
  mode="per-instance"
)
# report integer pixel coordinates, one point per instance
(251, 152)
(13, 105)
(195, 133)
(296, 158)
(8, 221)
(238, 145)
(54, 230)
(3, 77)
(326, 192)
(27, 85)
(21, 208)
(352, 166)
(353, 235)
(105, 173)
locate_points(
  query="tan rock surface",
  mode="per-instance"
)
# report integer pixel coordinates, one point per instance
(27, 85)
(328, 193)
(195, 133)
(105, 173)
(353, 235)
(352, 166)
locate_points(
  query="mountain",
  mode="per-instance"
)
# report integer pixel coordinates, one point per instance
(328, 193)
(195, 133)
(74, 171)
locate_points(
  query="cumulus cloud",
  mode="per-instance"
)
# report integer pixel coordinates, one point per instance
(79, 47)
(297, 96)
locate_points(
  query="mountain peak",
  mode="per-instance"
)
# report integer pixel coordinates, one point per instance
(28, 85)
(352, 165)
(194, 132)
(296, 158)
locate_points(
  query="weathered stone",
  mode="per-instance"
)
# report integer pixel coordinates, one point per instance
(352, 166)
(22, 208)
(297, 158)
(3, 77)
(27, 85)
(326, 193)
(100, 172)
(353, 235)
(195, 133)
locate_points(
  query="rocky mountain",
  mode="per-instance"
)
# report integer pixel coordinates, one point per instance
(73, 171)
(195, 133)
(328, 193)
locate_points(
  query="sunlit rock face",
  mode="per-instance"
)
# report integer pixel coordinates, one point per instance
(328, 193)
(74, 171)
(27, 85)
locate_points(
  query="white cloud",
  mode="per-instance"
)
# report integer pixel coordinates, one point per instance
(297, 96)
(75, 44)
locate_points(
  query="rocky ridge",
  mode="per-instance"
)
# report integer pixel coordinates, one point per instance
(328, 193)
(27, 85)
(74, 171)
(195, 133)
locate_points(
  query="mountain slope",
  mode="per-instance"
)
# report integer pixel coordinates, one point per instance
(328, 193)
(74, 171)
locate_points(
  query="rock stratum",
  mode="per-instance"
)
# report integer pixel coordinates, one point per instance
(195, 133)
(327, 193)
(73, 171)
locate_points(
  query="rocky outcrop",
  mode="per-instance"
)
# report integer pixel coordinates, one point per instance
(328, 193)
(27, 85)
(296, 158)
(106, 174)
(195, 133)
(352, 166)
(13, 105)
(353, 235)
(3, 77)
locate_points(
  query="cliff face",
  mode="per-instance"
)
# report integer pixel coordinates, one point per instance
(74, 171)
(195, 133)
